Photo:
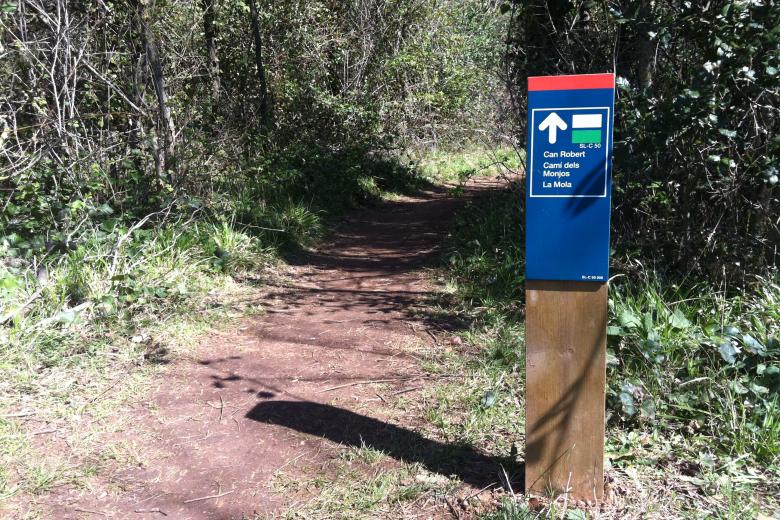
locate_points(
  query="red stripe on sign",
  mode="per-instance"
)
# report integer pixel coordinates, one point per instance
(571, 82)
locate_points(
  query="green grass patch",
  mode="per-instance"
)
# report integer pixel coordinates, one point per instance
(289, 195)
(444, 165)
(359, 485)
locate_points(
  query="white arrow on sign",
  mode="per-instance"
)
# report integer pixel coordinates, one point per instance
(553, 122)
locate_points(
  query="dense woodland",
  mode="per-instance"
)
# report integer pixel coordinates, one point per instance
(149, 146)
(112, 110)
(135, 105)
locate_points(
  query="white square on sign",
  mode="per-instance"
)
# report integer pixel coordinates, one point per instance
(586, 121)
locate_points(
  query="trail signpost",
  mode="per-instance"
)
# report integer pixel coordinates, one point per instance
(568, 184)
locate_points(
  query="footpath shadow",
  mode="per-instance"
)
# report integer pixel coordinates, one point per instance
(389, 237)
(371, 257)
(351, 429)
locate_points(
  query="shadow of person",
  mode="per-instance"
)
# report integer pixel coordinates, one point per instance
(351, 429)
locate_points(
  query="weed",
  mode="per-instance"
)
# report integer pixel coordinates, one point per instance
(42, 477)
(346, 491)
(364, 454)
(97, 312)
(444, 165)
(510, 510)
(693, 370)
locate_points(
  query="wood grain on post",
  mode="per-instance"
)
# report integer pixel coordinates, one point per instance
(566, 327)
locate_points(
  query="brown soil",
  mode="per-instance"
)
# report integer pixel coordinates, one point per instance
(287, 390)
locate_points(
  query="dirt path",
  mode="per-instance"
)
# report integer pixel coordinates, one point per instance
(286, 390)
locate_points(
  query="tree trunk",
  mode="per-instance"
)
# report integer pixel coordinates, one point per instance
(137, 133)
(210, 34)
(165, 126)
(544, 24)
(646, 49)
(265, 114)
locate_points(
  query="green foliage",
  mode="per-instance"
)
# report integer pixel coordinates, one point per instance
(510, 510)
(347, 81)
(700, 140)
(487, 252)
(109, 278)
(286, 198)
(696, 148)
(701, 361)
(467, 161)
(234, 251)
(695, 365)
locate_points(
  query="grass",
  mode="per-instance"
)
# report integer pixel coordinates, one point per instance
(365, 454)
(442, 165)
(92, 318)
(362, 492)
(358, 482)
(694, 415)
(692, 379)
(482, 409)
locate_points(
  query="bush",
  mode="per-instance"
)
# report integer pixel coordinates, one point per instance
(693, 358)
(696, 186)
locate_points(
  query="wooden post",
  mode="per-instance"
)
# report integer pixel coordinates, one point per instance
(568, 185)
(566, 326)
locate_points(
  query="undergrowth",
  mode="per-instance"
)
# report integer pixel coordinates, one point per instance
(442, 164)
(693, 372)
(90, 306)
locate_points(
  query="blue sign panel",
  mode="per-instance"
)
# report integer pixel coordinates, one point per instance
(568, 177)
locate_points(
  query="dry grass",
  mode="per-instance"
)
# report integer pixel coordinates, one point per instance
(61, 426)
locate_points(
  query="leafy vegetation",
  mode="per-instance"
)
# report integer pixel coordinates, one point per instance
(157, 154)
(692, 370)
(143, 158)
(695, 137)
